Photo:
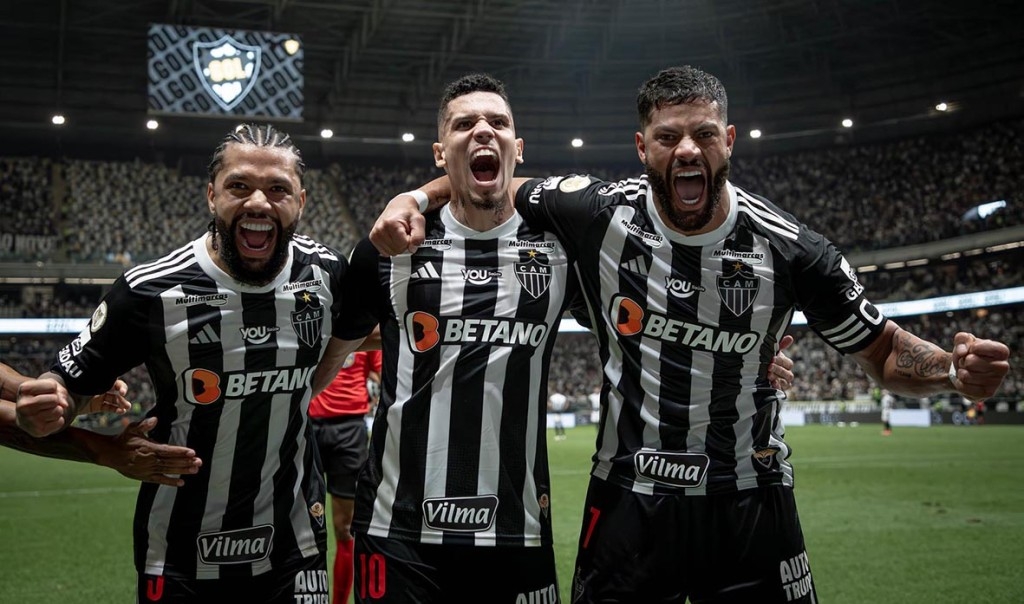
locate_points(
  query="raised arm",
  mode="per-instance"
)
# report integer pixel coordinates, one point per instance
(908, 365)
(400, 227)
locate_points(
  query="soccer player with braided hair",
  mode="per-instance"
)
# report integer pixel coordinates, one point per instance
(232, 327)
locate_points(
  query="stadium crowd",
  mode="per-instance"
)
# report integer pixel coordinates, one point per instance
(865, 197)
(862, 197)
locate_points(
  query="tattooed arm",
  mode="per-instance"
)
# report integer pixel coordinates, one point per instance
(907, 365)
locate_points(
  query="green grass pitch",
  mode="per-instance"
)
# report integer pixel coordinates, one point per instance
(926, 515)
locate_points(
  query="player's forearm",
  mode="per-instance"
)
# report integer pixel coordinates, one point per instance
(438, 191)
(912, 366)
(9, 382)
(76, 402)
(71, 444)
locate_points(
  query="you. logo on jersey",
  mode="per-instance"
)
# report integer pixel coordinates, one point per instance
(739, 288)
(425, 331)
(630, 319)
(258, 334)
(680, 288)
(480, 276)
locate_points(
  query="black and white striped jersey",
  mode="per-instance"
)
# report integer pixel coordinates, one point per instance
(688, 325)
(457, 451)
(232, 367)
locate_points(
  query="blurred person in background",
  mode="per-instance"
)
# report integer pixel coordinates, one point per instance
(338, 416)
(887, 402)
(558, 403)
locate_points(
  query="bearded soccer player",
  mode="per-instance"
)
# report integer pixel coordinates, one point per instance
(231, 327)
(457, 485)
(691, 497)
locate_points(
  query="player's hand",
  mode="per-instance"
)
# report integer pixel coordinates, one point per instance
(111, 401)
(400, 227)
(780, 370)
(979, 366)
(132, 454)
(41, 407)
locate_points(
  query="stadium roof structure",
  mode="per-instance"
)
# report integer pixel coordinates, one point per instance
(374, 69)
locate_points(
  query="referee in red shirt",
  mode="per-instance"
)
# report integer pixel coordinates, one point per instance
(338, 417)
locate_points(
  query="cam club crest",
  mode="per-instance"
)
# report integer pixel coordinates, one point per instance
(533, 276)
(227, 68)
(739, 288)
(308, 323)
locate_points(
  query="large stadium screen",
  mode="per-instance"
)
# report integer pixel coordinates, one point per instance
(220, 72)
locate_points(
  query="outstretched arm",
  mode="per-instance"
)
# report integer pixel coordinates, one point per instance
(908, 365)
(400, 227)
(131, 453)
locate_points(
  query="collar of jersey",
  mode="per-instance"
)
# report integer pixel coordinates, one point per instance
(507, 229)
(229, 282)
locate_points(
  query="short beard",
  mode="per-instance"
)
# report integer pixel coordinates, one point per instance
(687, 223)
(237, 268)
(488, 204)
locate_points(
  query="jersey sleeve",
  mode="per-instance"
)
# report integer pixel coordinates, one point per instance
(362, 298)
(563, 205)
(114, 341)
(832, 298)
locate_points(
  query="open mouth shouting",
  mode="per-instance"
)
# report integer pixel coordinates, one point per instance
(689, 184)
(255, 248)
(485, 166)
(255, 237)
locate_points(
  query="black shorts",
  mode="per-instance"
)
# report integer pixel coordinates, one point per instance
(302, 582)
(342, 442)
(659, 549)
(389, 571)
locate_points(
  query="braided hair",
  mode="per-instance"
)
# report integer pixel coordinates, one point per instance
(261, 135)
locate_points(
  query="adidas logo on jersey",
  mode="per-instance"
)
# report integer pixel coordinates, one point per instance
(206, 335)
(636, 265)
(425, 271)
